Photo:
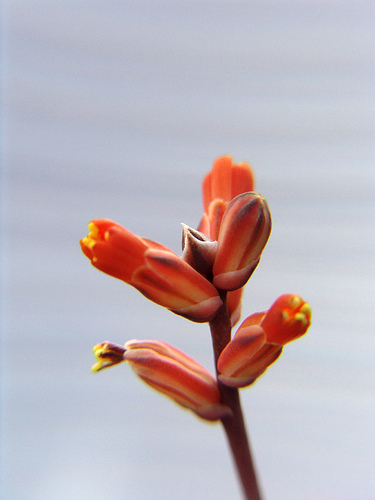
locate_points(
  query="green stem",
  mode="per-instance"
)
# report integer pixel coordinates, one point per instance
(234, 425)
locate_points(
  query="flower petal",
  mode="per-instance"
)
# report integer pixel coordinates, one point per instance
(237, 355)
(244, 231)
(169, 281)
(267, 355)
(226, 180)
(176, 375)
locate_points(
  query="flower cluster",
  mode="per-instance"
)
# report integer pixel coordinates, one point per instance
(217, 260)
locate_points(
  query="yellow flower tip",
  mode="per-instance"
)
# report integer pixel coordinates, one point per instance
(98, 348)
(302, 318)
(97, 367)
(88, 242)
(93, 229)
(107, 354)
(295, 301)
(287, 319)
(299, 310)
(306, 309)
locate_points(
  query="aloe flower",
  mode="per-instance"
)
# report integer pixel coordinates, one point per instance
(259, 340)
(169, 371)
(151, 268)
(205, 284)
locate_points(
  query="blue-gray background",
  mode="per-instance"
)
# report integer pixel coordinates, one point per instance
(117, 109)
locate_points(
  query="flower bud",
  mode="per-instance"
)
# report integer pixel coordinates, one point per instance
(244, 231)
(153, 269)
(287, 319)
(260, 338)
(173, 373)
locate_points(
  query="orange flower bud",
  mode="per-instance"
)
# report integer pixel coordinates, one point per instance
(287, 319)
(153, 269)
(223, 183)
(113, 249)
(173, 373)
(244, 231)
(259, 340)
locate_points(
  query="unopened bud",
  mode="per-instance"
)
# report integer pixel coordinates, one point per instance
(244, 231)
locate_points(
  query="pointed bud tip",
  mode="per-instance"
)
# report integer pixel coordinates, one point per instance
(107, 354)
(244, 232)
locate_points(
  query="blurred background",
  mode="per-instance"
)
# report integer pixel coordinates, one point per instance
(118, 109)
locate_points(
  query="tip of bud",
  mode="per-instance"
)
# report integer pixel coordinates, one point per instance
(287, 319)
(107, 354)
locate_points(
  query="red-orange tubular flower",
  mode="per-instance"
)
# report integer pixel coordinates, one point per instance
(173, 373)
(259, 340)
(151, 268)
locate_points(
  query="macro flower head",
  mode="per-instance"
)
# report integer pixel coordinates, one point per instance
(205, 284)
(218, 258)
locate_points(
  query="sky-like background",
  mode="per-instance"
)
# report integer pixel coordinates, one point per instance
(117, 109)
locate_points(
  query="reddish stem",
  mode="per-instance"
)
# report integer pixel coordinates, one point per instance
(234, 426)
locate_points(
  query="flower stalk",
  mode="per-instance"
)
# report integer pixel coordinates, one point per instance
(234, 424)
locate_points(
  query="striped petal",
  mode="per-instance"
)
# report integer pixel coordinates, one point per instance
(244, 232)
(171, 282)
(153, 269)
(178, 376)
